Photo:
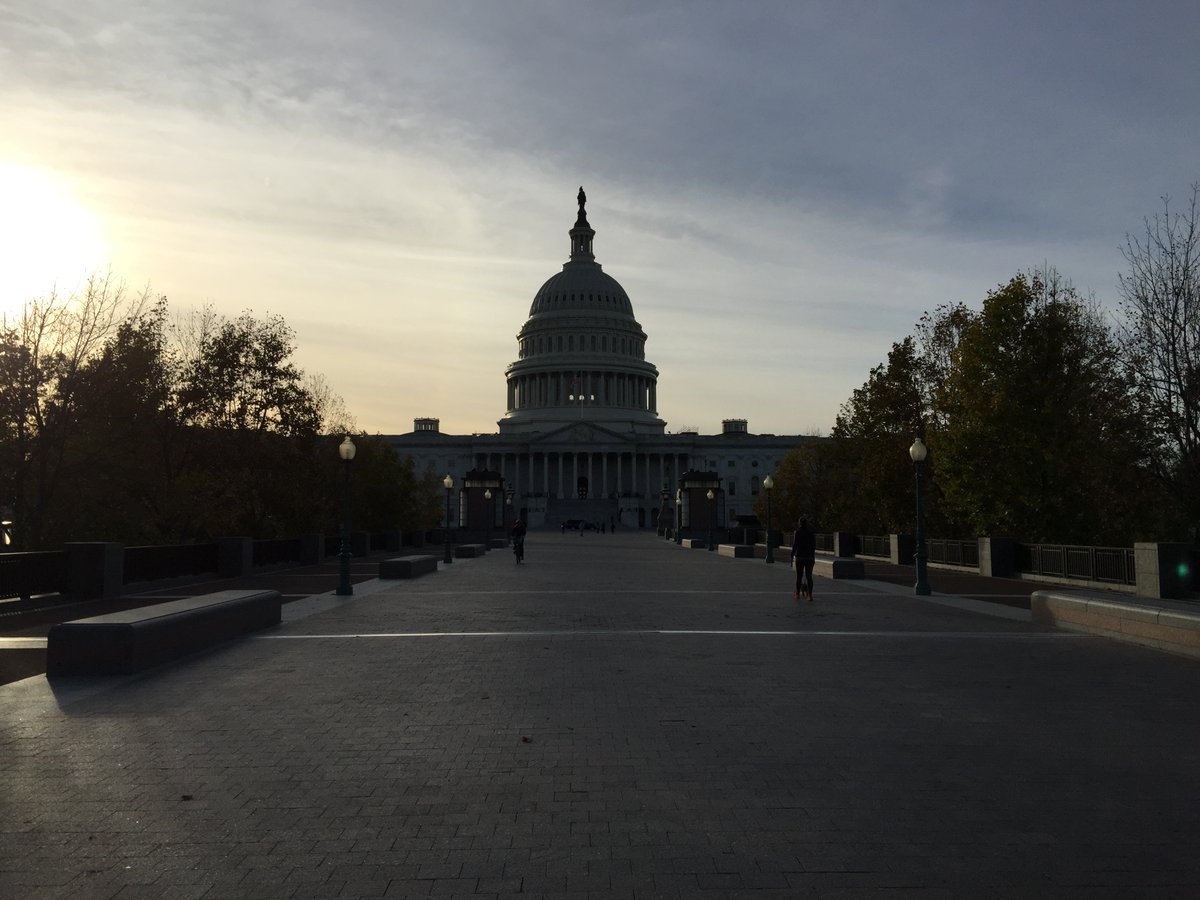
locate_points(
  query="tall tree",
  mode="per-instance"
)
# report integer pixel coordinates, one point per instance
(1160, 342)
(870, 438)
(1041, 440)
(44, 355)
(803, 487)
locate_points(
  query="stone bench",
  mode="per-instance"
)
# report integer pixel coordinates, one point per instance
(737, 551)
(469, 551)
(129, 641)
(497, 543)
(408, 566)
(693, 544)
(837, 566)
(1152, 623)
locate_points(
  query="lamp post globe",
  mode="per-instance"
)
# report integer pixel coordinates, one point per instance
(487, 495)
(768, 485)
(917, 452)
(448, 483)
(508, 522)
(712, 515)
(346, 451)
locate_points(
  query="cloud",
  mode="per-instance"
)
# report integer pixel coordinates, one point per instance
(781, 187)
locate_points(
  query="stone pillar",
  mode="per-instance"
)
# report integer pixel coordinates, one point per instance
(902, 549)
(1163, 571)
(844, 543)
(997, 557)
(95, 570)
(235, 556)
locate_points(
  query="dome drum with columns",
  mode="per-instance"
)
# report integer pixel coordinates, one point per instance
(581, 353)
(581, 437)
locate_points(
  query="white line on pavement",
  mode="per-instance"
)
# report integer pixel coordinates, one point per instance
(992, 635)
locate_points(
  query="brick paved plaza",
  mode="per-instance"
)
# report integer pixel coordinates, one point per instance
(618, 717)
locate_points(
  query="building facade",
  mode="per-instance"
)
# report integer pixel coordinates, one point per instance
(581, 437)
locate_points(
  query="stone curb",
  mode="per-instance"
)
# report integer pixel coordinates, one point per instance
(1150, 624)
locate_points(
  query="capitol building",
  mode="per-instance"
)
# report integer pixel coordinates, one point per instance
(581, 437)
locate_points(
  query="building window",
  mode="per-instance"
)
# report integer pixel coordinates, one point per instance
(732, 489)
(732, 464)
(754, 485)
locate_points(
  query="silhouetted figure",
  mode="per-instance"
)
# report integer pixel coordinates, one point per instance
(518, 539)
(804, 554)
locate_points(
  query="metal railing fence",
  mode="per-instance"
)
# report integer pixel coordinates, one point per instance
(275, 551)
(29, 574)
(953, 553)
(875, 545)
(1111, 565)
(151, 563)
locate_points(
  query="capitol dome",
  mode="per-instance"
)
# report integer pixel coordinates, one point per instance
(581, 353)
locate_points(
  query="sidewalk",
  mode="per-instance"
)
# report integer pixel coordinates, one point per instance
(618, 717)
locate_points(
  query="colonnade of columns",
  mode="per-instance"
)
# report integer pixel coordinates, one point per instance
(608, 473)
(613, 389)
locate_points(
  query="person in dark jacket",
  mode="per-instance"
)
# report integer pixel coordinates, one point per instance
(804, 553)
(518, 539)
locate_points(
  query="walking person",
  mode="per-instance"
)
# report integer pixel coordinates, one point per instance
(804, 554)
(518, 539)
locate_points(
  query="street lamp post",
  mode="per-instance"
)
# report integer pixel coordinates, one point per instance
(448, 481)
(712, 514)
(679, 515)
(345, 588)
(487, 495)
(768, 484)
(662, 520)
(508, 519)
(918, 452)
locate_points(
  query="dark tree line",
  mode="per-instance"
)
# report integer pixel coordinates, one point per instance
(1044, 420)
(120, 423)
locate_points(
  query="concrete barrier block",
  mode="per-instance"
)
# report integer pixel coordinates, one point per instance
(408, 566)
(737, 551)
(839, 567)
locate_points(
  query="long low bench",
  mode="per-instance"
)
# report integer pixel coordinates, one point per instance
(129, 641)
(737, 551)
(469, 551)
(1152, 623)
(837, 567)
(408, 566)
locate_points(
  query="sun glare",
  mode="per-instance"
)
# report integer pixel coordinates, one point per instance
(48, 239)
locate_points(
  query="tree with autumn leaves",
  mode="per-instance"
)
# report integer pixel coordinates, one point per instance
(121, 423)
(1032, 417)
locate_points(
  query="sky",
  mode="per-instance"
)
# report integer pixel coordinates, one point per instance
(782, 188)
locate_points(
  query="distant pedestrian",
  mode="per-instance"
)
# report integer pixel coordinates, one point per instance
(804, 554)
(518, 539)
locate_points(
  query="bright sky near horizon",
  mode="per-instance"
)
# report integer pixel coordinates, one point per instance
(782, 188)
